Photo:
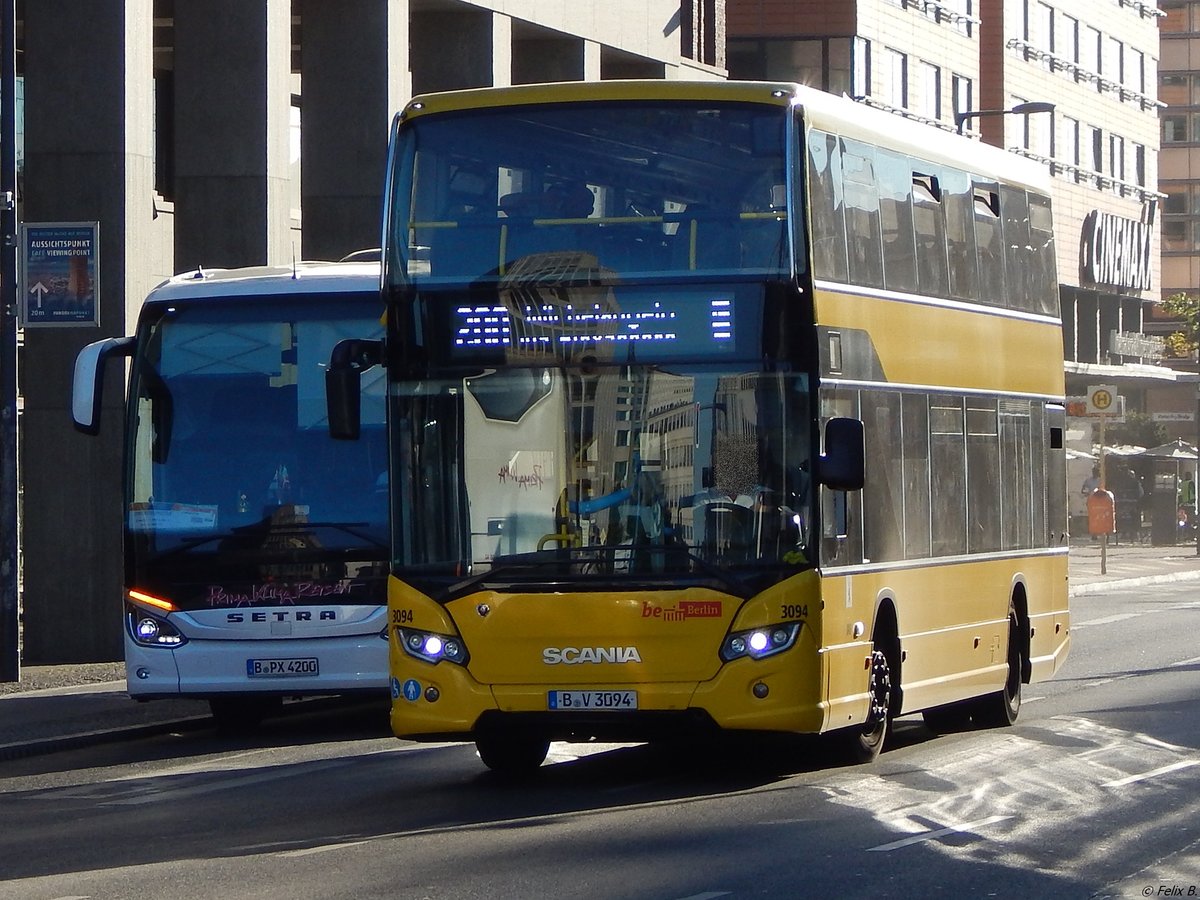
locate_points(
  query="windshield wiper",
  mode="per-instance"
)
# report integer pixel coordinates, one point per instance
(257, 532)
(530, 563)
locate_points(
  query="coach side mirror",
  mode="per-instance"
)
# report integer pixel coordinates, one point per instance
(343, 385)
(842, 467)
(87, 388)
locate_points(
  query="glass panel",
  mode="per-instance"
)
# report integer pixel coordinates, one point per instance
(983, 476)
(579, 471)
(235, 480)
(895, 190)
(883, 495)
(826, 208)
(863, 228)
(915, 425)
(948, 474)
(586, 191)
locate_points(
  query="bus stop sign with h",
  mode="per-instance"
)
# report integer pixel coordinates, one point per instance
(1102, 401)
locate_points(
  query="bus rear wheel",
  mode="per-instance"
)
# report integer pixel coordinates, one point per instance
(1002, 708)
(512, 754)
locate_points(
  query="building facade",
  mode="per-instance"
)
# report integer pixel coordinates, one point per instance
(1096, 63)
(230, 133)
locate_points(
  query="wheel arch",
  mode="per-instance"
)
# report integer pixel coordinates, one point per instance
(885, 633)
(1019, 599)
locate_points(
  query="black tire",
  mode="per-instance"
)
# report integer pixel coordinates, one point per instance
(512, 754)
(1001, 709)
(242, 715)
(864, 743)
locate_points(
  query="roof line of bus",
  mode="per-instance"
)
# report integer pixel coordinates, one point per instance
(822, 110)
(301, 277)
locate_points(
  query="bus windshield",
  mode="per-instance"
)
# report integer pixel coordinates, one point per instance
(619, 475)
(591, 191)
(236, 490)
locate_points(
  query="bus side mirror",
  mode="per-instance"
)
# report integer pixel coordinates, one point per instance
(842, 466)
(343, 385)
(87, 388)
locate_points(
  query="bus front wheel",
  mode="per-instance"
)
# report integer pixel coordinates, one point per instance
(863, 743)
(512, 754)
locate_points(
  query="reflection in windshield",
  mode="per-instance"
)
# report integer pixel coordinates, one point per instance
(250, 488)
(612, 470)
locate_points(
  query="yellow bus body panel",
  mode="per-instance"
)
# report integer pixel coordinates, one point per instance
(924, 343)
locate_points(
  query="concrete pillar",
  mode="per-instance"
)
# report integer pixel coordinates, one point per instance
(88, 157)
(591, 61)
(451, 49)
(502, 50)
(354, 71)
(232, 108)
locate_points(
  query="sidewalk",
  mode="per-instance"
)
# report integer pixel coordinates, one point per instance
(61, 707)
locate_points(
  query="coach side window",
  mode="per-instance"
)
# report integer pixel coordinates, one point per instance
(861, 193)
(895, 204)
(826, 206)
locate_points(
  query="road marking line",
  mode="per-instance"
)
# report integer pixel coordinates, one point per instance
(1107, 620)
(941, 832)
(1185, 662)
(158, 795)
(1174, 767)
(324, 848)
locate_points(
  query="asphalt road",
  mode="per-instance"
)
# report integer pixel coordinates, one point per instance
(1094, 793)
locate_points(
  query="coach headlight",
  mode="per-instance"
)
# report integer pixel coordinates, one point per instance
(432, 647)
(760, 642)
(151, 631)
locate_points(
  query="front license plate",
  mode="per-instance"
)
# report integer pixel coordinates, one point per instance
(283, 668)
(591, 700)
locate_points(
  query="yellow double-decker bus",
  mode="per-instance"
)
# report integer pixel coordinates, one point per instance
(712, 406)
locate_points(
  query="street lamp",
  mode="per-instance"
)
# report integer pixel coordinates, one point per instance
(1021, 109)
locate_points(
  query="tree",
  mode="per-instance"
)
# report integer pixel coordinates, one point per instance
(1138, 429)
(1186, 309)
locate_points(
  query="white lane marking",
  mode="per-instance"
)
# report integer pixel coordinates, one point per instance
(941, 832)
(1154, 773)
(324, 848)
(708, 895)
(1107, 620)
(156, 796)
(1185, 662)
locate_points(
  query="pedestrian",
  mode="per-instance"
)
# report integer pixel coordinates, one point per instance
(1091, 483)
(1187, 494)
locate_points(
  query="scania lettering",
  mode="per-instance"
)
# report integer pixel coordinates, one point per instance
(255, 546)
(572, 656)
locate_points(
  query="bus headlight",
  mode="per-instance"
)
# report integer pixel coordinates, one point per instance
(760, 642)
(432, 647)
(151, 631)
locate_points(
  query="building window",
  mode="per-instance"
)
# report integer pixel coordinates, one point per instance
(1089, 49)
(1116, 156)
(897, 78)
(1113, 64)
(1070, 140)
(1097, 141)
(1069, 30)
(860, 84)
(931, 88)
(1044, 39)
(964, 93)
(1174, 129)
(1139, 165)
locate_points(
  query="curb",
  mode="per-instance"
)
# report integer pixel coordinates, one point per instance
(1097, 587)
(42, 746)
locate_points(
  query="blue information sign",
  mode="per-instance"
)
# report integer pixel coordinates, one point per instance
(60, 274)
